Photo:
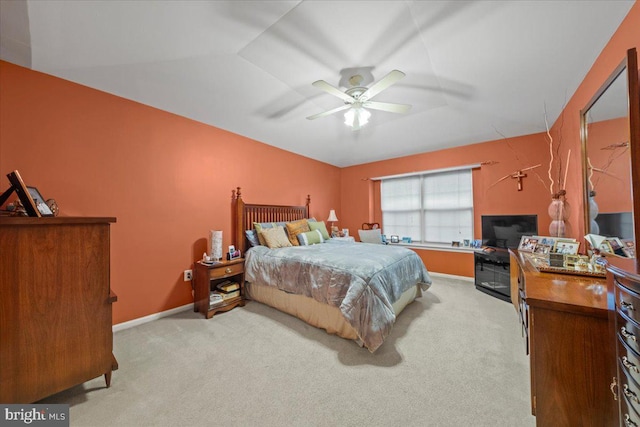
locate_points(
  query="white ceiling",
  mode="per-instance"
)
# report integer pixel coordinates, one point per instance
(474, 70)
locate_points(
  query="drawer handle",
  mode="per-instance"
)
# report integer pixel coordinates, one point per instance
(626, 334)
(631, 395)
(628, 422)
(626, 305)
(630, 366)
(228, 270)
(614, 388)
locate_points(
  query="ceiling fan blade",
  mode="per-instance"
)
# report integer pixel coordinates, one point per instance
(381, 85)
(321, 84)
(327, 113)
(386, 106)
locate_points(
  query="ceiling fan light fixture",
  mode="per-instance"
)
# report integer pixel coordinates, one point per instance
(356, 117)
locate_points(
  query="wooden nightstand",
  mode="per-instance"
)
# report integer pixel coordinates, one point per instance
(206, 279)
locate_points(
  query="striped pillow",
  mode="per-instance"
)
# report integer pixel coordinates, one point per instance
(310, 238)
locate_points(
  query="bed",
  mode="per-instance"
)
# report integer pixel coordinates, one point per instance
(353, 290)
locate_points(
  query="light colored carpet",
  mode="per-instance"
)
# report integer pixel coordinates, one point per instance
(455, 357)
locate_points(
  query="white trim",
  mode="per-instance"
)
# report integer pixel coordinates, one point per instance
(452, 276)
(442, 247)
(150, 318)
(427, 172)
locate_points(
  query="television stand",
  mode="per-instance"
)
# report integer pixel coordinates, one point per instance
(492, 272)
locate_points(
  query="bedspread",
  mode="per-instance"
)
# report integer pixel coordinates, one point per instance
(362, 279)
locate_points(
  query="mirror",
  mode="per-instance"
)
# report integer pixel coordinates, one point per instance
(607, 156)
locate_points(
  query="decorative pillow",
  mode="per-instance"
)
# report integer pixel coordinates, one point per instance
(320, 226)
(259, 226)
(370, 236)
(252, 237)
(310, 238)
(275, 237)
(296, 227)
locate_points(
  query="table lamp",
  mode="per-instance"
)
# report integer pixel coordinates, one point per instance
(333, 218)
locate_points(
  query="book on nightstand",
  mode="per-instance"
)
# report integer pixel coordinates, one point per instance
(215, 299)
(227, 287)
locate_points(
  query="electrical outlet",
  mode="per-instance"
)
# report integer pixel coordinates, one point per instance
(188, 275)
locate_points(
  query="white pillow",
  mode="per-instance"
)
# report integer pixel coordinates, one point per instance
(370, 236)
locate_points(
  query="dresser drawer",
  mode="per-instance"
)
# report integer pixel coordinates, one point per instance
(628, 415)
(628, 332)
(627, 301)
(226, 270)
(630, 390)
(629, 361)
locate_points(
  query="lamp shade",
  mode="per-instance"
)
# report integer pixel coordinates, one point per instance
(215, 244)
(332, 216)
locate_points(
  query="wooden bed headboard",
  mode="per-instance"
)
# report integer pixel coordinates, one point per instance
(244, 215)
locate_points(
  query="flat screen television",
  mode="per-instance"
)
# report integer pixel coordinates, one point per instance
(505, 231)
(615, 224)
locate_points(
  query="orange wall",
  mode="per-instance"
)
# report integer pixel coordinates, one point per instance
(167, 179)
(613, 189)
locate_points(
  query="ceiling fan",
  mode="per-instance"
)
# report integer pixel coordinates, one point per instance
(358, 98)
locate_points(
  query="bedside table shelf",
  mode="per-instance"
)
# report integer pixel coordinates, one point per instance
(207, 277)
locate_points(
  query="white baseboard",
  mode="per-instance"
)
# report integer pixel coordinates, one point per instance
(452, 276)
(150, 318)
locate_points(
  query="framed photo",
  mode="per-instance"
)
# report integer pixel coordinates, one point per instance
(617, 246)
(466, 242)
(543, 249)
(566, 247)
(395, 239)
(605, 246)
(629, 248)
(476, 243)
(455, 244)
(41, 205)
(23, 194)
(527, 244)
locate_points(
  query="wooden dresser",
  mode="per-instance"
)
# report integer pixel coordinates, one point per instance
(623, 281)
(55, 305)
(565, 320)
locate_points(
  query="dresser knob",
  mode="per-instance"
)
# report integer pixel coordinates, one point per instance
(630, 366)
(627, 335)
(228, 270)
(626, 305)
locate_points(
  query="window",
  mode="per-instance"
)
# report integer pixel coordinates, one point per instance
(435, 207)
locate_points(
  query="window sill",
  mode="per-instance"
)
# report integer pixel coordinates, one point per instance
(436, 247)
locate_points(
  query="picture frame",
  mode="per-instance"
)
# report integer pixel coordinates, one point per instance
(395, 239)
(629, 248)
(527, 244)
(477, 243)
(566, 247)
(23, 193)
(617, 246)
(39, 201)
(455, 244)
(233, 253)
(543, 249)
(605, 246)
